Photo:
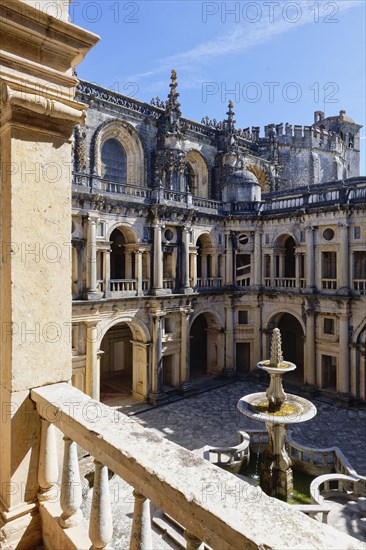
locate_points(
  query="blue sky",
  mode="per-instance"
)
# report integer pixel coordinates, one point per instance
(279, 61)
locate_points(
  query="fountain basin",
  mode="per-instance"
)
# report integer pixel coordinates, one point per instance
(283, 366)
(294, 409)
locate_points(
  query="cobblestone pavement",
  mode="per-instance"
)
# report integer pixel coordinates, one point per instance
(212, 418)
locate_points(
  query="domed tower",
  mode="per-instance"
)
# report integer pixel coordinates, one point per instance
(241, 186)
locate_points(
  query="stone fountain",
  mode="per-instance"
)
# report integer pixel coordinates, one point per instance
(277, 409)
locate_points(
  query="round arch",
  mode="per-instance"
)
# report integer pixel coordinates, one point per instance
(138, 328)
(123, 364)
(128, 232)
(205, 344)
(293, 340)
(199, 184)
(132, 144)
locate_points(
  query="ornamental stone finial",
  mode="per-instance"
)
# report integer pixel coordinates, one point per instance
(276, 348)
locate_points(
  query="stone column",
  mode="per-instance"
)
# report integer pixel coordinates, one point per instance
(343, 259)
(229, 260)
(257, 259)
(186, 286)
(36, 129)
(158, 260)
(310, 259)
(343, 355)
(92, 374)
(272, 266)
(229, 341)
(310, 363)
(157, 359)
(297, 269)
(184, 351)
(91, 248)
(138, 269)
(107, 273)
(194, 269)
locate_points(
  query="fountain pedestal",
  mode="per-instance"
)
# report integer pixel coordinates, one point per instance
(275, 472)
(277, 410)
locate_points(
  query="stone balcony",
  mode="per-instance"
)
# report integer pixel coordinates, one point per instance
(214, 507)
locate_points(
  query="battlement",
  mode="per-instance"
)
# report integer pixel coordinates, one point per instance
(303, 136)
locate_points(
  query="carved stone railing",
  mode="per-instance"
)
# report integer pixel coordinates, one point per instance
(206, 282)
(175, 196)
(100, 285)
(331, 485)
(214, 506)
(359, 285)
(168, 283)
(123, 285)
(285, 282)
(329, 284)
(200, 202)
(135, 191)
(233, 458)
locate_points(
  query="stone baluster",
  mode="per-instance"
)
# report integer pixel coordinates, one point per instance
(101, 524)
(70, 486)
(47, 464)
(141, 536)
(193, 543)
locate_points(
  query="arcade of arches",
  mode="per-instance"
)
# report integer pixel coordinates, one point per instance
(201, 350)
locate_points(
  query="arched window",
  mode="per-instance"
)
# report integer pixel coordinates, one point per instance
(114, 162)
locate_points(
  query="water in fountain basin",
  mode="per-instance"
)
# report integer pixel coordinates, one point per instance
(301, 481)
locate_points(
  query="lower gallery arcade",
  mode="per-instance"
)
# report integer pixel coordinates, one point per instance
(171, 345)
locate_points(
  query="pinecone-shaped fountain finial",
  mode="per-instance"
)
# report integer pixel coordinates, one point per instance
(276, 349)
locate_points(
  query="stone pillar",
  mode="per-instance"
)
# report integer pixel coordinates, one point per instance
(272, 267)
(310, 259)
(92, 253)
(310, 363)
(186, 287)
(194, 268)
(184, 351)
(229, 341)
(343, 355)
(257, 259)
(229, 260)
(92, 370)
(107, 273)
(158, 260)
(297, 269)
(36, 126)
(343, 258)
(138, 269)
(157, 359)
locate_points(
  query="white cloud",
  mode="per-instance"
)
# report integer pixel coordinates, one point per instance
(239, 39)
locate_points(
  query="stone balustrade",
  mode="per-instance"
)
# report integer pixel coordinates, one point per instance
(285, 282)
(360, 286)
(123, 285)
(329, 284)
(230, 458)
(215, 507)
(330, 485)
(168, 283)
